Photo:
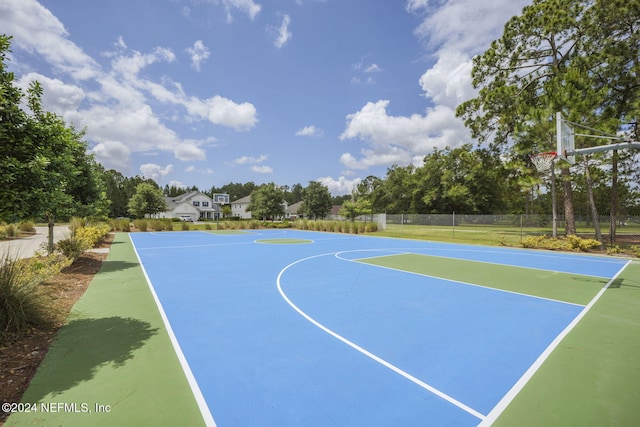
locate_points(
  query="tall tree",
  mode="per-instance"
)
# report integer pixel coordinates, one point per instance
(267, 201)
(316, 200)
(522, 80)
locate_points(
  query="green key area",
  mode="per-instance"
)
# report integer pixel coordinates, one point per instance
(565, 287)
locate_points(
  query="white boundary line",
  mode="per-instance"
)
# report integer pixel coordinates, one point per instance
(519, 385)
(195, 389)
(367, 353)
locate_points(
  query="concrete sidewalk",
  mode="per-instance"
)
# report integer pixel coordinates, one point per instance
(27, 246)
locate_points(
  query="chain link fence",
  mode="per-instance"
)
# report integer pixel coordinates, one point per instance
(627, 228)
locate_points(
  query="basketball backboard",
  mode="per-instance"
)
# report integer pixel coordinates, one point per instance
(565, 140)
(221, 199)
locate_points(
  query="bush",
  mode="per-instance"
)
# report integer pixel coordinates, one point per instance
(185, 226)
(584, 245)
(92, 235)
(10, 230)
(27, 227)
(614, 250)
(570, 243)
(120, 225)
(23, 302)
(140, 224)
(72, 247)
(635, 251)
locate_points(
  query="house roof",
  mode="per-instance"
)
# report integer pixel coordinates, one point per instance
(172, 202)
(293, 209)
(246, 199)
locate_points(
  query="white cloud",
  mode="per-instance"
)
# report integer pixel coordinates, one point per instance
(189, 151)
(363, 72)
(248, 160)
(416, 5)
(399, 139)
(373, 68)
(113, 155)
(56, 95)
(455, 30)
(190, 168)
(283, 35)
(309, 131)
(340, 186)
(262, 169)
(117, 103)
(225, 112)
(36, 30)
(130, 66)
(245, 6)
(464, 25)
(177, 184)
(120, 43)
(448, 82)
(198, 53)
(155, 172)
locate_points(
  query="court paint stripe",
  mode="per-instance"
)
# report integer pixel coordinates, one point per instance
(519, 385)
(365, 352)
(195, 389)
(455, 281)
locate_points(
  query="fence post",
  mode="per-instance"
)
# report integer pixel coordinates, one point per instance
(453, 227)
(521, 227)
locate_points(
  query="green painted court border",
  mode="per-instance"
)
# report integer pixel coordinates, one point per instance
(592, 378)
(115, 351)
(566, 287)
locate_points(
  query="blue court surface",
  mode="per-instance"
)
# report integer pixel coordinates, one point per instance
(310, 335)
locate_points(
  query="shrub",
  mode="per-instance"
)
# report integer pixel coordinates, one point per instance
(635, 251)
(140, 224)
(570, 243)
(207, 226)
(72, 247)
(614, 250)
(23, 301)
(584, 245)
(27, 227)
(185, 226)
(75, 224)
(93, 234)
(10, 230)
(120, 225)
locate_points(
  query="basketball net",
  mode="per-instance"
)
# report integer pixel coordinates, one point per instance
(543, 161)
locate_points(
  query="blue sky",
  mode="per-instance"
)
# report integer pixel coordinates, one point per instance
(206, 92)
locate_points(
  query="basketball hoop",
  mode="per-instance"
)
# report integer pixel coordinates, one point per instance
(543, 161)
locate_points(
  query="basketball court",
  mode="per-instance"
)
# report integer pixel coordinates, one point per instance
(321, 328)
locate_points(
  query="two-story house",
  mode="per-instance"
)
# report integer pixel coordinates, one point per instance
(192, 206)
(239, 208)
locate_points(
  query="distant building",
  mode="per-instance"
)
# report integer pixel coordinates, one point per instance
(191, 206)
(239, 208)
